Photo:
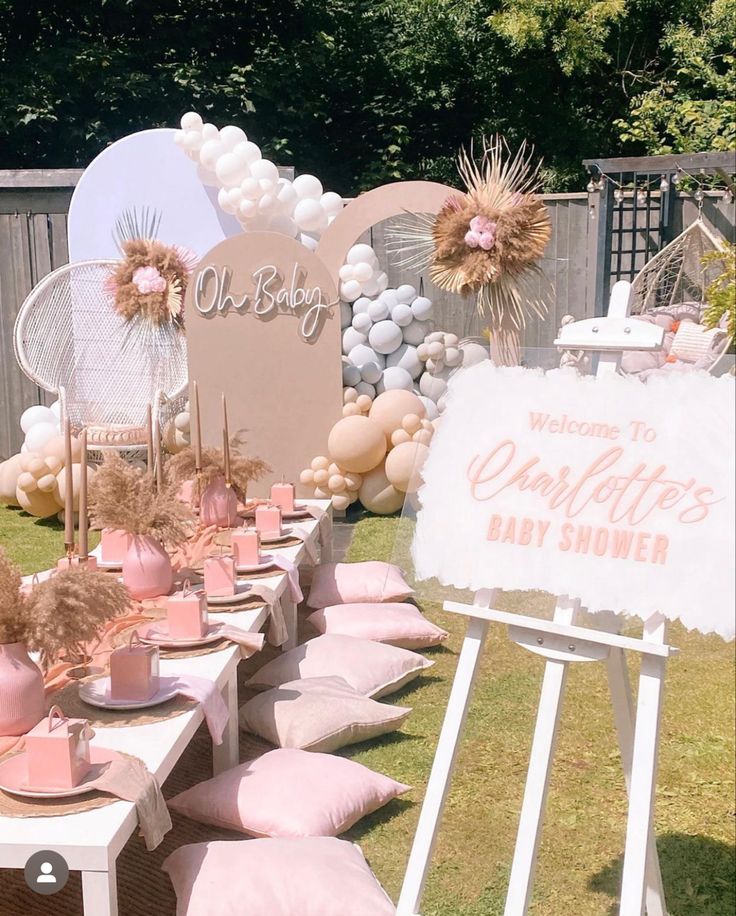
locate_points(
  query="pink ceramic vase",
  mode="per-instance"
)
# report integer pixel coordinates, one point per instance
(219, 505)
(147, 571)
(21, 691)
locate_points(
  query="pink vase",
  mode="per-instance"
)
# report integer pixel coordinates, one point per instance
(219, 505)
(147, 571)
(21, 691)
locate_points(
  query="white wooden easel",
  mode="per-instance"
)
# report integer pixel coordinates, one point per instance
(562, 642)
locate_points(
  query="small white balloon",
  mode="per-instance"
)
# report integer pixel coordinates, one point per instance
(182, 421)
(370, 372)
(474, 353)
(267, 185)
(406, 358)
(350, 290)
(191, 121)
(210, 153)
(402, 315)
(378, 310)
(382, 281)
(390, 298)
(365, 388)
(209, 131)
(250, 188)
(264, 168)
(179, 137)
(224, 203)
(308, 187)
(39, 434)
(351, 339)
(360, 252)
(432, 386)
(347, 272)
(309, 241)
(363, 354)
(362, 322)
(406, 293)
(309, 215)
(363, 271)
(451, 340)
(230, 169)
(55, 409)
(361, 305)
(36, 414)
(286, 194)
(396, 378)
(248, 152)
(247, 209)
(266, 203)
(332, 203)
(231, 136)
(421, 308)
(453, 357)
(385, 336)
(371, 288)
(346, 315)
(193, 141)
(351, 375)
(415, 332)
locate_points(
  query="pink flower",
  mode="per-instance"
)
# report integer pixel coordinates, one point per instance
(487, 240)
(482, 233)
(148, 280)
(472, 239)
(480, 224)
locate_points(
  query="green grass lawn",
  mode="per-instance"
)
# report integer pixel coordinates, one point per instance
(579, 859)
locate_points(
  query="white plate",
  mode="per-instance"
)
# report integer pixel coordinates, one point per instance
(241, 587)
(14, 773)
(96, 693)
(157, 634)
(108, 564)
(267, 561)
(299, 512)
(276, 538)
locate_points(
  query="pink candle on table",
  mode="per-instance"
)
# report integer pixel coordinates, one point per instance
(268, 520)
(114, 544)
(186, 614)
(246, 546)
(134, 671)
(282, 495)
(219, 575)
(57, 750)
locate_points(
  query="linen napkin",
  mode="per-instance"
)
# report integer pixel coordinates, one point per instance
(324, 523)
(292, 574)
(128, 778)
(205, 692)
(310, 547)
(277, 632)
(249, 643)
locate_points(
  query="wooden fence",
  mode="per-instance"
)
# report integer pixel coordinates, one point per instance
(33, 241)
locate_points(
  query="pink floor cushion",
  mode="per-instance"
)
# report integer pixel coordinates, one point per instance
(345, 583)
(371, 668)
(318, 714)
(319, 876)
(289, 793)
(401, 625)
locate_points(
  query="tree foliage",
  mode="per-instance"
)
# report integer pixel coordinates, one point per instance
(367, 91)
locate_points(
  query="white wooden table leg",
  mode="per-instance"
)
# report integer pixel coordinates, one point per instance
(225, 756)
(444, 761)
(640, 824)
(623, 712)
(521, 881)
(100, 892)
(289, 609)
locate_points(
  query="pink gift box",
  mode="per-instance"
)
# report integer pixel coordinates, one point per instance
(268, 520)
(246, 546)
(219, 575)
(57, 750)
(186, 613)
(114, 544)
(69, 562)
(134, 671)
(282, 495)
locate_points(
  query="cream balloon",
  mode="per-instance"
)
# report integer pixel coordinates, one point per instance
(356, 443)
(38, 503)
(404, 466)
(378, 494)
(390, 408)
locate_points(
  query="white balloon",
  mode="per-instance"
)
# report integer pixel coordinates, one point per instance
(366, 388)
(286, 194)
(402, 315)
(474, 353)
(350, 375)
(224, 203)
(346, 272)
(406, 358)
(309, 241)
(55, 409)
(362, 322)
(39, 434)
(363, 354)
(390, 298)
(361, 305)
(453, 356)
(283, 224)
(350, 290)
(266, 203)
(267, 185)
(209, 131)
(451, 340)
(250, 188)
(415, 332)
(309, 214)
(37, 414)
(179, 137)
(363, 271)
(432, 386)
(378, 310)
(206, 176)
(193, 141)
(191, 121)
(332, 203)
(370, 287)
(421, 307)
(352, 339)
(406, 293)
(210, 153)
(396, 377)
(230, 169)
(370, 372)
(382, 281)
(430, 407)
(232, 135)
(385, 336)
(234, 196)
(247, 209)
(248, 152)
(346, 315)
(264, 168)
(308, 187)
(360, 252)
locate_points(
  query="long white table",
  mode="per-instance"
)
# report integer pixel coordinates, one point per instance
(91, 841)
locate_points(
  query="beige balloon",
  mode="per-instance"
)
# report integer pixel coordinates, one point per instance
(356, 444)
(404, 466)
(340, 501)
(9, 472)
(38, 503)
(55, 448)
(390, 408)
(60, 488)
(378, 494)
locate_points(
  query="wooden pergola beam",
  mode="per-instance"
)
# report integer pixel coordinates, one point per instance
(714, 162)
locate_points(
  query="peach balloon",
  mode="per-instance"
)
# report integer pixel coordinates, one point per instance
(390, 408)
(320, 463)
(404, 466)
(334, 469)
(319, 493)
(398, 436)
(27, 482)
(321, 477)
(46, 483)
(336, 483)
(353, 481)
(9, 471)
(378, 494)
(36, 502)
(356, 444)
(306, 477)
(424, 437)
(53, 464)
(54, 448)
(351, 410)
(340, 501)
(411, 423)
(60, 488)
(33, 463)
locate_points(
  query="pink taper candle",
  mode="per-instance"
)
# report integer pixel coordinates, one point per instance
(83, 520)
(68, 491)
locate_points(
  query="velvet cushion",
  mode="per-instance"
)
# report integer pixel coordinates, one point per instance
(345, 583)
(318, 714)
(371, 668)
(401, 625)
(289, 793)
(320, 876)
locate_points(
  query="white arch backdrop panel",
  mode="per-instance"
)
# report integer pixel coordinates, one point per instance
(145, 169)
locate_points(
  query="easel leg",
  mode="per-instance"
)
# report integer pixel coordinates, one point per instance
(640, 825)
(623, 711)
(444, 762)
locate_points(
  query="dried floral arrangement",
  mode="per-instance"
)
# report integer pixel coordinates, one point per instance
(487, 240)
(121, 496)
(243, 469)
(151, 279)
(13, 605)
(69, 609)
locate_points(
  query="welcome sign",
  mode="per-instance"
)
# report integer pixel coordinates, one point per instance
(608, 489)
